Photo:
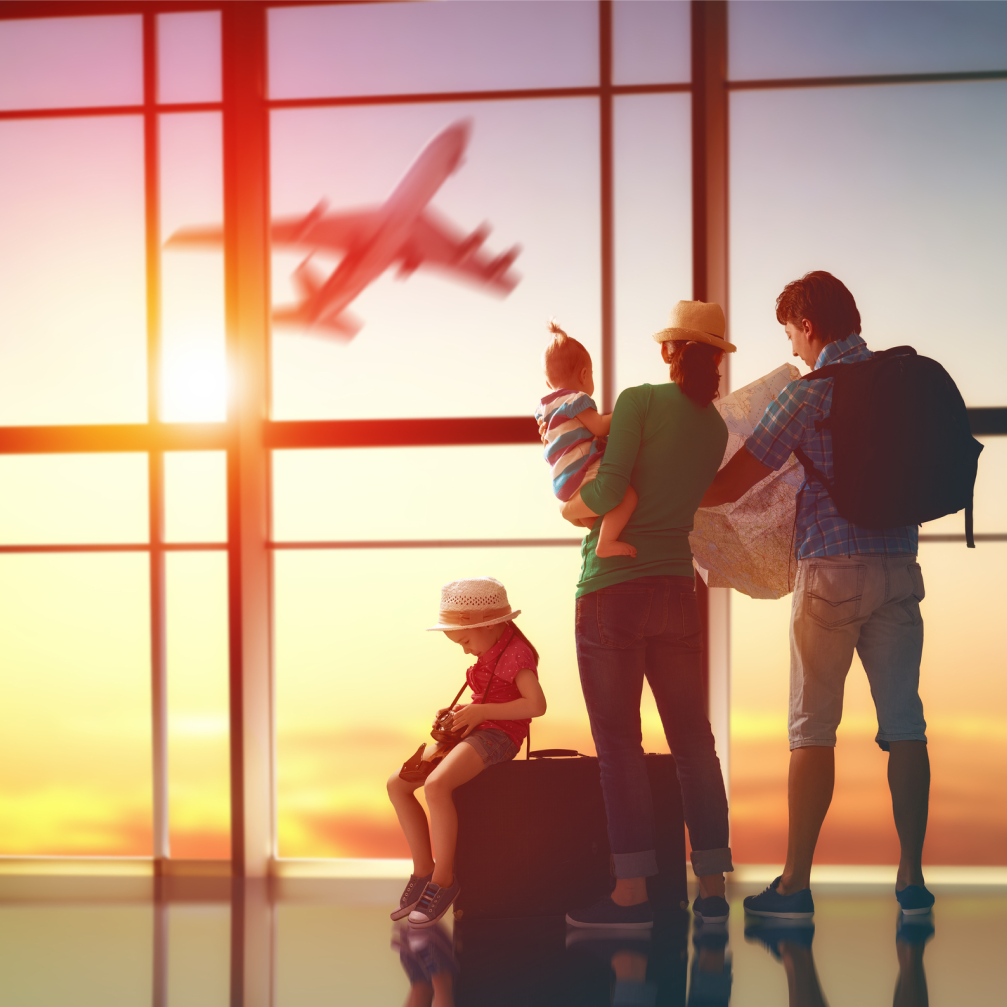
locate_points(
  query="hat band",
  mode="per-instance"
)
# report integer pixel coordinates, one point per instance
(472, 615)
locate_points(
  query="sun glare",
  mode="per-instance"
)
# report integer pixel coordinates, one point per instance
(194, 387)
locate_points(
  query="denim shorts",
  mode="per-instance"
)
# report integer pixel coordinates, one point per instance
(867, 603)
(492, 745)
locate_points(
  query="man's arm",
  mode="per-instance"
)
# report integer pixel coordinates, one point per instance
(735, 479)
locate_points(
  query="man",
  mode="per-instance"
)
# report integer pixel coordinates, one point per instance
(855, 588)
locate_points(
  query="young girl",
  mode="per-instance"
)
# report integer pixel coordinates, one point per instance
(476, 615)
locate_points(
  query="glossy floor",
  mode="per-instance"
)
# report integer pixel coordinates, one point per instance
(331, 943)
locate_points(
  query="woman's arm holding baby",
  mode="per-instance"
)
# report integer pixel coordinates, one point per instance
(531, 704)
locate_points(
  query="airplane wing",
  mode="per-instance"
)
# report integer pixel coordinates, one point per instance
(317, 229)
(438, 243)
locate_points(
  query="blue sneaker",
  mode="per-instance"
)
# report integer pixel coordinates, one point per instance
(915, 900)
(712, 909)
(799, 906)
(606, 914)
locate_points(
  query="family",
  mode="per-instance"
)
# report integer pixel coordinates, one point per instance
(637, 617)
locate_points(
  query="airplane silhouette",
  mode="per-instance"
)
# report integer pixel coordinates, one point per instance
(404, 230)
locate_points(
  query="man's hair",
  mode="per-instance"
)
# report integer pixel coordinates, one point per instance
(563, 357)
(824, 301)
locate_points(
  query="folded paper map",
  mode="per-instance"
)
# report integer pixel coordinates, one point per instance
(749, 545)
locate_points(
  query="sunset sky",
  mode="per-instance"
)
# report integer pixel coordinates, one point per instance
(898, 190)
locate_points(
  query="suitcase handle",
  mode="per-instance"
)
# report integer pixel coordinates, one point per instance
(557, 753)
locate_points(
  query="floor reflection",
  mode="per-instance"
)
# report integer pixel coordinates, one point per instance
(331, 943)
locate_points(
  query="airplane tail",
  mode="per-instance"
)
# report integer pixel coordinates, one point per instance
(200, 237)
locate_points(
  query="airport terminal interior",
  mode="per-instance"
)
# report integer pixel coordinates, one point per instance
(275, 285)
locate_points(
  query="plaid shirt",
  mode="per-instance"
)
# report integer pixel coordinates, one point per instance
(788, 423)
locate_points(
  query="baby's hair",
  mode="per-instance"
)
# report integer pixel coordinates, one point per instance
(563, 357)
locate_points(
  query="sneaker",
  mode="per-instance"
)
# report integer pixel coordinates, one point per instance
(798, 906)
(605, 914)
(712, 909)
(411, 895)
(915, 900)
(788, 931)
(433, 904)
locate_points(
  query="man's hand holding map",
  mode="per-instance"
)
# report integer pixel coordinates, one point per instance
(748, 545)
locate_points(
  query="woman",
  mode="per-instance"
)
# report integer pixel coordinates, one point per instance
(638, 617)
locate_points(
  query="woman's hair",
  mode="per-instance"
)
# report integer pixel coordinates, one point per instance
(824, 301)
(531, 646)
(563, 357)
(694, 368)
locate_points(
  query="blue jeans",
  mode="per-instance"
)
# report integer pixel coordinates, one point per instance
(650, 627)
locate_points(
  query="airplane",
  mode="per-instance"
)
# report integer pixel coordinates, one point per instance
(405, 231)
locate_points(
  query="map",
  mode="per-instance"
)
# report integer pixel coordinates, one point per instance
(749, 544)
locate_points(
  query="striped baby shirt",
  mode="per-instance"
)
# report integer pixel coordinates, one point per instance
(571, 449)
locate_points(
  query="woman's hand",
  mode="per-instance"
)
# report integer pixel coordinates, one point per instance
(468, 718)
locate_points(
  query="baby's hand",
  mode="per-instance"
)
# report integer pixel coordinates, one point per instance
(541, 431)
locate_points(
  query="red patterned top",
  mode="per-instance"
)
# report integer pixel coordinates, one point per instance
(510, 654)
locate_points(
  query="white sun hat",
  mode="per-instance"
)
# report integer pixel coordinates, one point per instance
(472, 603)
(697, 321)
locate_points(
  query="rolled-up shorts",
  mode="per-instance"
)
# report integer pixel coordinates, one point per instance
(871, 604)
(492, 745)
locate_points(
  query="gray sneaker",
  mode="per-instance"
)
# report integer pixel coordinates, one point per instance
(606, 914)
(433, 904)
(411, 895)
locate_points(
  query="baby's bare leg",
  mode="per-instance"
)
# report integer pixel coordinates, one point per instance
(612, 525)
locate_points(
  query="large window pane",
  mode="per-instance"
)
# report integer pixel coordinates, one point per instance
(432, 346)
(73, 499)
(414, 48)
(199, 946)
(72, 277)
(358, 679)
(990, 502)
(966, 727)
(195, 496)
(75, 722)
(194, 375)
(825, 39)
(198, 756)
(650, 42)
(653, 227)
(899, 192)
(188, 57)
(71, 62)
(367, 494)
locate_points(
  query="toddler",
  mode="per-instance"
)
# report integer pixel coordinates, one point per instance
(574, 434)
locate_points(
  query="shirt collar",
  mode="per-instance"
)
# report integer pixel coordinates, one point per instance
(497, 649)
(852, 346)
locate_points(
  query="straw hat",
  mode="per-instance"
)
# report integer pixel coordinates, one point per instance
(473, 603)
(697, 321)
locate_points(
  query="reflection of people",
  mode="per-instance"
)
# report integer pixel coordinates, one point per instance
(638, 618)
(428, 959)
(506, 694)
(856, 588)
(574, 434)
(789, 942)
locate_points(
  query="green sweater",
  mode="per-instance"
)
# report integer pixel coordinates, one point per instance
(669, 449)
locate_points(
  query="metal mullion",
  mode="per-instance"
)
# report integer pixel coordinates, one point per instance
(865, 80)
(155, 465)
(459, 543)
(68, 547)
(607, 169)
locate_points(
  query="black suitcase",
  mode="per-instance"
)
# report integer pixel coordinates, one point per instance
(532, 839)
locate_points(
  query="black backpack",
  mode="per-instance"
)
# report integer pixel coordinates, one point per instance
(902, 449)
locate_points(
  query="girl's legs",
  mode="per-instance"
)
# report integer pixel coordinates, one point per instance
(413, 821)
(459, 766)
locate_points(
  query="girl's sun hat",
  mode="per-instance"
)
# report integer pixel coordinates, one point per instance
(473, 603)
(697, 321)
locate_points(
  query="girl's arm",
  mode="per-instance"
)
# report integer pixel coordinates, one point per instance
(598, 423)
(531, 704)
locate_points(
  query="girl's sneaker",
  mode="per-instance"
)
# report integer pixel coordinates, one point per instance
(433, 904)
(411, 895)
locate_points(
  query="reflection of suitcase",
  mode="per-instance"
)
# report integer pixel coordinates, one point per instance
(532, 839)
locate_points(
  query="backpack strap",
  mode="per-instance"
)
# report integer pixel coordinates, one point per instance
(969, 537)
(810, 470)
